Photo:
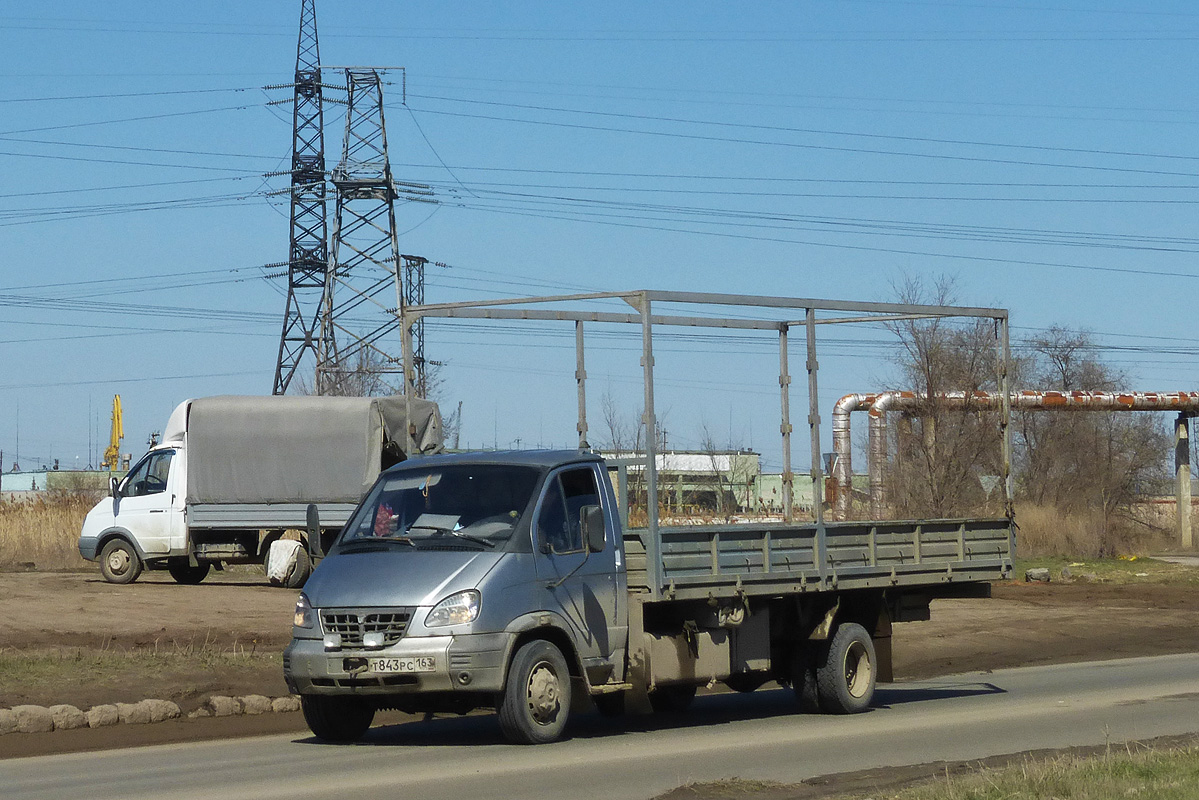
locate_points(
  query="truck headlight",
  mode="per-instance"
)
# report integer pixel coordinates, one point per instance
(304, 617)
(456, 609)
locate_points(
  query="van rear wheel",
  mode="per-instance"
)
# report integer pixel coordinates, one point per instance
(846, 677)
(187, 575)
(673, 699)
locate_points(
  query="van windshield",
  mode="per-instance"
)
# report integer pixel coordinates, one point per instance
(443, 507)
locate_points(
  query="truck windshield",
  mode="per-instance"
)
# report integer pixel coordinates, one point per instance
(443, 507)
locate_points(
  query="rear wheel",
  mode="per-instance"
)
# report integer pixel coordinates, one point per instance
(536, 699)
(845, 679)
(337, 719)
(675, 698)
(803, 677)
(190, 576)
(297, 577)
(119, 562)
(745, 681)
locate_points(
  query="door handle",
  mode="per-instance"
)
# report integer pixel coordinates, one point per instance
(158, 511)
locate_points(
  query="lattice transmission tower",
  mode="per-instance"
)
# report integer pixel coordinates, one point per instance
(365, 276)
(308, 254)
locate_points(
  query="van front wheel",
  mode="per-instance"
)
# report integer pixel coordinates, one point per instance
(119, 562)
(536, 699)
(337, 719)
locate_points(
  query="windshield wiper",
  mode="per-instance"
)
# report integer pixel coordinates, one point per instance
(458, 534)
(365, 544)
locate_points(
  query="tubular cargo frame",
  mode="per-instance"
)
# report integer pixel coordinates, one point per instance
(806, 557)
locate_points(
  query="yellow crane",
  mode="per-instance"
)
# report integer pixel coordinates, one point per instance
(112, 456)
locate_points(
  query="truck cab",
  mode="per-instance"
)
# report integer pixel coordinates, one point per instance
(143, 520)
(461, 579)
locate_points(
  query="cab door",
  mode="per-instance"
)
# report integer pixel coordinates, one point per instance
(144, 506)
(582, 586)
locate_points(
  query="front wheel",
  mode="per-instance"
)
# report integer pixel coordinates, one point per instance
(536, 698)
(119, 562)
(337, 719)
(846, 678)
(189, 576)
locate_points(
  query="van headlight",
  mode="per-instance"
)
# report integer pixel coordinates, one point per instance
(304, 617)
(456, 609)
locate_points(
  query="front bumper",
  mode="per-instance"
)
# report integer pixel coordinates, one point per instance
(464, 663)
(88, 547)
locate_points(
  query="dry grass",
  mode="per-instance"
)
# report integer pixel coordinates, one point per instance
(41, 533)
(1049, 531)
(1119, 774)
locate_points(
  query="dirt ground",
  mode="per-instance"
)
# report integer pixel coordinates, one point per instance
(184, 643)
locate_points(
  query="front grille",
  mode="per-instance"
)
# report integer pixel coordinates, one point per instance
(352, 625)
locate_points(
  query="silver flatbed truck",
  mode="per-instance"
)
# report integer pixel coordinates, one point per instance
(510, 580)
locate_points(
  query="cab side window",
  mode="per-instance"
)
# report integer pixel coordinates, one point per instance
(560, 522)
(150, 476)
(551, 520)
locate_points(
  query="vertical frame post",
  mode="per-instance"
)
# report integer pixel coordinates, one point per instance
(653, 545)
(820, 549)
(1182, 472)
(581, 380)
(785, 426)
(814, 420)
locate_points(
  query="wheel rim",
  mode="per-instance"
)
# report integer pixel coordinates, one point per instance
(118, 561)
(544, 693)
(858, 670)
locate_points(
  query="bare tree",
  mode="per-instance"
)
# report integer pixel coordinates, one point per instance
(1086, 461)
(943, 449)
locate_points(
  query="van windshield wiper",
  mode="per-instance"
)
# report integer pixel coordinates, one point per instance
(374, 542)
(459, 534)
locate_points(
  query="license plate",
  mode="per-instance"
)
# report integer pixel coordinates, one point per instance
(416, 664)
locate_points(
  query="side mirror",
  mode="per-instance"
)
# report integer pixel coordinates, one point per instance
(314, 531)
(592, 518)
(113, 487)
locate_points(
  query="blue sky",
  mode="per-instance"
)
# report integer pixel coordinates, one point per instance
(1041, 154)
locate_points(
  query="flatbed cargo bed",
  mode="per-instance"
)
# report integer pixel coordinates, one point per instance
(759, 559)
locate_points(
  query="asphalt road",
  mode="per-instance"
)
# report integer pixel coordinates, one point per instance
(754, 736)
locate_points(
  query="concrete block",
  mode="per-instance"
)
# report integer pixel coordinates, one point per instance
(222, 706)
(161, 710)
(33, 719)
(133, 713)
(255, 704)
(102, 716)
(67, 717)
(284, 705)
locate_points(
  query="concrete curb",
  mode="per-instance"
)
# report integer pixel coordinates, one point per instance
(42, 719)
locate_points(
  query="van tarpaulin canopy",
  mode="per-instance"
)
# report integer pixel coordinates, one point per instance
(274, 449)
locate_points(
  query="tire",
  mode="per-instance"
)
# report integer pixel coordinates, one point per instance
(673, 699)
(536, 699)
(745, 681)
(803, 678)
(119, 562)
(845, 679)
(187, 575)
(299, 575)
(337, 719)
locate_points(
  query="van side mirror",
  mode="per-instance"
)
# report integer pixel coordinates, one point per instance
(113, 488)
(592, 518)
(314, 531)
